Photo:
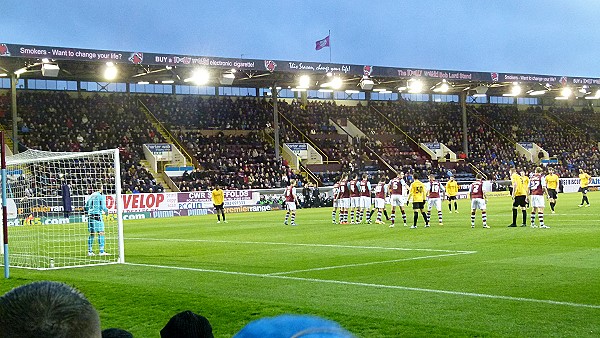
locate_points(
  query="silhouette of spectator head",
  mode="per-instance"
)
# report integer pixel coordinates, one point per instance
(116, 333)
(47, 309)
(187, 324)
(300, 326)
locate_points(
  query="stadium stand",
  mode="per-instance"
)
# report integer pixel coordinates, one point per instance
(58, 121)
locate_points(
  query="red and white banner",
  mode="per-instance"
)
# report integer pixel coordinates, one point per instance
(181, 200)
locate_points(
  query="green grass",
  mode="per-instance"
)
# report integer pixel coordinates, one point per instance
(454, 280)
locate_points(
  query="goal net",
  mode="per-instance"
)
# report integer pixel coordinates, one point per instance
(48, 221)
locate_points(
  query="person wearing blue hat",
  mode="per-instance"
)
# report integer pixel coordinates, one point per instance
(292, 326)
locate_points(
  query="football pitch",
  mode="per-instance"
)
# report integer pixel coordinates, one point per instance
(376, 281)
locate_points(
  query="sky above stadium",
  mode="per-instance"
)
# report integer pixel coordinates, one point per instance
(537, 37)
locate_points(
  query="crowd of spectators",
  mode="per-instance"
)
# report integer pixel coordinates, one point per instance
(197, 112)
(59, 121)
(493, 131)
(53, 309)
(242, 161)
(506, 125)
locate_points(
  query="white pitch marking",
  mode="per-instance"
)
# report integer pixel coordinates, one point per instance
(380, 286)
(362, 264)
(296, 244)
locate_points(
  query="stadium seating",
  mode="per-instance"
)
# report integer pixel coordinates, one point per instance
(58, 121)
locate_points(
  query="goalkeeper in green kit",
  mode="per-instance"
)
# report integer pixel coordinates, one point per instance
(95, 207)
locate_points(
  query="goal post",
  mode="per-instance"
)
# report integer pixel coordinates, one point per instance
(49, 226)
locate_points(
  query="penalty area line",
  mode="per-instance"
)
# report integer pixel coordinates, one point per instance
(297, 244)
(378, 286)
(364, 264)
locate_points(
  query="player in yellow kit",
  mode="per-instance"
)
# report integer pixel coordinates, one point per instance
(519, 196)
(552, 186)
(417, 193)
(451, 192)
(218, 198)
(584, 181)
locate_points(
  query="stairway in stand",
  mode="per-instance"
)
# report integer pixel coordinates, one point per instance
(7, 138)
(157, 176)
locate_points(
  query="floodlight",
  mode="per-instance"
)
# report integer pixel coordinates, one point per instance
(415, 86)
(20, 71)
(352, 91)
(45, 60)
(480, 91)
(227, 79)
(336, 83)
(110, 72)
(442, 87)
(304, 81)
(566, 92)
(594, 97)
(50, 70)
(199, 77)
(3, 74)
(581, 92)
(168, 81)
(143, 83)
(298, 89)
(401, 88)
(326, 90)
(366, 83)
(515, 90)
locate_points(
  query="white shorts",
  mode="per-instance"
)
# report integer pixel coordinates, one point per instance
(437, 202)
(388, 200)
(537, 201)
(355, 202)
(365, 202)
(477, 203)
(291, 206)
(398, 200)
(344, 203)
(379, 203)
(336, 203)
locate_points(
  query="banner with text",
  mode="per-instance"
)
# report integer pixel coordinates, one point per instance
(138, 57)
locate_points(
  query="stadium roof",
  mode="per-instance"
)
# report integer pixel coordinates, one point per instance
(87, 65)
